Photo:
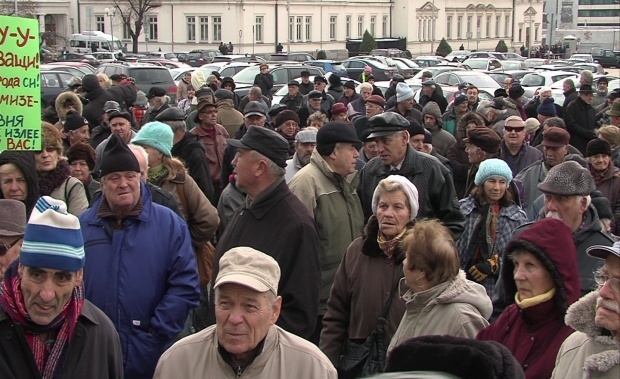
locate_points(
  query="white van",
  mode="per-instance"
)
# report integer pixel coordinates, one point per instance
(93, 41)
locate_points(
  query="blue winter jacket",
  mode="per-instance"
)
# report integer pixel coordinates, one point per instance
(144, 277)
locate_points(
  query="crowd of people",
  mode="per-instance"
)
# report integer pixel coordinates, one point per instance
(334, 234)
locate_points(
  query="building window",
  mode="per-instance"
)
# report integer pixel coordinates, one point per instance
(360, 26)
(217, 28)
(470, 19)
(332, 27)
(488, 26)
(308, 28)
(385, 25)
(291, 26)
(536, 33)
(204, 29)
(424, 31)
(449, 27)
(258, 29)
(348, 27)
(420, 30)
(191, 28)
(100, 23)
(299, 25)
(498, 19)
(507, 27)
(459, 27)
(125, 28)
(373, 20)
(153, 30)
(479, 26)
(520, 33)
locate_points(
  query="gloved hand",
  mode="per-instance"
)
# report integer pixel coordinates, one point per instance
(481, 270)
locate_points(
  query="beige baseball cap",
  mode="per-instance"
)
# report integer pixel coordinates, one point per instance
(250, 268)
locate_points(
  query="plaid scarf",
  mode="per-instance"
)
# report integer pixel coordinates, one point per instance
(388, 246)
(598, 175)
(50, 361)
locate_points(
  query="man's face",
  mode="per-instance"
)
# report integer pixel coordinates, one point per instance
(600, 162)
(365, 92)
(514, 133)
(208, 116)
(343, 158)
(608, 302)
(14, 186)
(417, 141)
(122, 127)
(615, 120)
(586, 97)
(568, 209)
(121, 190)
(392, 148)
(427, 90)
(349, 92)
(243, 317)
(544, 95)
(474, 153)
(507, 82)
(264, 69)
(373, 109)
(245, 167)
(228, 86)
(79, 169)
(293, 91)
(370, 148)
(11, 246)
(429, 121)
(305, 79)
(541, 118)
(191, 93)
(315, 104)
(319, 86)
(80, 135)
(254, 120)
(554, 154)
(472, 95)
(566, 87)
(462, 108)
(304, 151)
(602, 86)
(47, 291)
(407, 105)
(582, 79)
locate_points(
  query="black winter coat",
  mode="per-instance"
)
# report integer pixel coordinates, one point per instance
(265, 82)
(191, 151)
(93, 111)
(580, 119)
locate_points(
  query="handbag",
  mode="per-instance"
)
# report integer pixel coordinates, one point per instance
(367, 358)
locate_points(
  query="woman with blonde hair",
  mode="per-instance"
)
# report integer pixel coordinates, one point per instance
(104, 81)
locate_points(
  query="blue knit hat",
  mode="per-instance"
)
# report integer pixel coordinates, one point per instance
(53, 238)
(156, 135)
(492, 167)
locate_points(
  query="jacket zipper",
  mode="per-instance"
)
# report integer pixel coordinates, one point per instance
(239, 371)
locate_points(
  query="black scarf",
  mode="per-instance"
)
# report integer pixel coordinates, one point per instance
(54, 178)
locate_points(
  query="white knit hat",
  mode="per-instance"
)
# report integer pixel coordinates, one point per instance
(410, 191)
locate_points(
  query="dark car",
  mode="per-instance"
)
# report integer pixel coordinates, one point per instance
(389, 53)
(146, 76)
(282, 74)
(247, 58)
(606, 57)
(381, 72)
(52, 84)
(293, 57)
(330, 66)
(72, 57)
(197, 58)
(46, 55)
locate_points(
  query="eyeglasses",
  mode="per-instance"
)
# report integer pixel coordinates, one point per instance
(4, 248)
(517, 129)
(601, 279)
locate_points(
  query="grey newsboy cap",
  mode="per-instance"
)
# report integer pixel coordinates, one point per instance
(12, 218)
(568, 179)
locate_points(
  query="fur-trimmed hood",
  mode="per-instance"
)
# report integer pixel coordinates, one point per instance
(62, 99)
(580, 316)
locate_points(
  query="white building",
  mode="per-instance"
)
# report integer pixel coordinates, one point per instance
(256, 26)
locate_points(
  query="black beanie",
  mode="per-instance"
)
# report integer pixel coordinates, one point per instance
(73, 121)
(603, 207)
(598, 146)
(90, 82)
(333, 132)
(334, 79)
(515, 91)
(117, 157)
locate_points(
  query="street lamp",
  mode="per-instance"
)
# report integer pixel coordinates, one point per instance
(110, 13)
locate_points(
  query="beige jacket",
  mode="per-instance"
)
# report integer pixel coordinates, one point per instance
(458, 308)
(72, 192)
(284, 355)
(228, 116)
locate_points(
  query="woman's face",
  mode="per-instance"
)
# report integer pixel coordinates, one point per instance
(14, 186)
(340, 117)
(531, 277)
(317, 124)
(289, 128)
(47, 159)
(393, 213)
(494, 188)
(155, 156)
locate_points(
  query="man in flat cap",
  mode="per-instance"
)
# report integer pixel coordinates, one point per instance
(49, 330)
(314, 99)
(141, 268)
(245, 342)
(327, 100)
(275, 221)
(398, 157)
(306, 85)
(481, 144)
(580, 119)
(327, 187)
(305, 143)
(555, 147)
(12, 229)
(158, 102)
(293, 99)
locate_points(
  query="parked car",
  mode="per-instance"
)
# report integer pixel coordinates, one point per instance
(52, 84)
(47, 55)
(160, 55)
(330, 66)
(483, 64)
(501, 75)
(293, 57)
(80, 65)
(479, 79)
(131, 57)
(238, 58)
(512, 65)
(224, 68)
(534, 62)
(595, 68)
(427, 61)
(163, 62)
(606, 57)
(586, 57)
(460, 55)
(531, 82)
(356, 66)
(104, 56)
(514, 56)
(487, 54)
(182, 56)
(282, 74)
(197, 58)
(146, 76)
(75, 71)
(406, 61)
(435, 70)
(406, 71)
(389, 53)
(84, 58)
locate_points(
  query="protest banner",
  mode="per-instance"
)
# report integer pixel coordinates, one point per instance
(20, 84)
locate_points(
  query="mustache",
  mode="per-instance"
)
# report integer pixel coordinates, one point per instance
(553, 214)
(608, 304)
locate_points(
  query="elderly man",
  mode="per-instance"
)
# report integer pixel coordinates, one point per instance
(586, 77)
(546, 110)
(405, 103)
(306, 85)
(430, 93)
(350, 94)
(606, 175)
(570, 93)
(293, 99)
(102, 131)
(358, 106)
(264, 80)
(188, 148)
(120, 125)
(141, 269)
(12, 228)
(313, 105)
(472, 97)
(452, 117)
(592, 350)
(49, 330)
(158, 102)
(75, 129)
(305, 143)
(270, 207)
(398, 157)
(327, 100)
(555, 147)
(601, 92)
(614, 114)
(375, 105)
(580, 119)
(245, 342)
(431, 116)
(481, 144)
(327, 187)
(514, 150)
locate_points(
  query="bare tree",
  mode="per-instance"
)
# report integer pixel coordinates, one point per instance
(132, 15)
(25, 8)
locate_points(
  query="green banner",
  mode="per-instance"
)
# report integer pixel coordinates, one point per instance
(20, 84)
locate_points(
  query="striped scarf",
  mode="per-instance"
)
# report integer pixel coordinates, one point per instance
(50, 361)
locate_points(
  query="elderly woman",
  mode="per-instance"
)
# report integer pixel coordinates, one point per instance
(490, 217)
(18, 178)
(356, 301)
(81, 158)
(104, 81)
(439, 300)
(317, 120)
(287, 125)
(54, 174)
(611, 134)
(339, 112)
(540, 273)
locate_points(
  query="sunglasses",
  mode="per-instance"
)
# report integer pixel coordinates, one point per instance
(511, 129)
(4, 248)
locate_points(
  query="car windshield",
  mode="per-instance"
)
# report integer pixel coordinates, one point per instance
(275, 57)
(247, 75)
(408, 62)
(144, 75)
(401, 65)
(338, 67)
(479, 64)
(532, 80)
(511, 65)
(195, 55)
(480, 81)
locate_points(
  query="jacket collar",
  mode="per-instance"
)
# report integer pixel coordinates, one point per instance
(90, 216)
(268, 199)
(317, 160)
(411, 164)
